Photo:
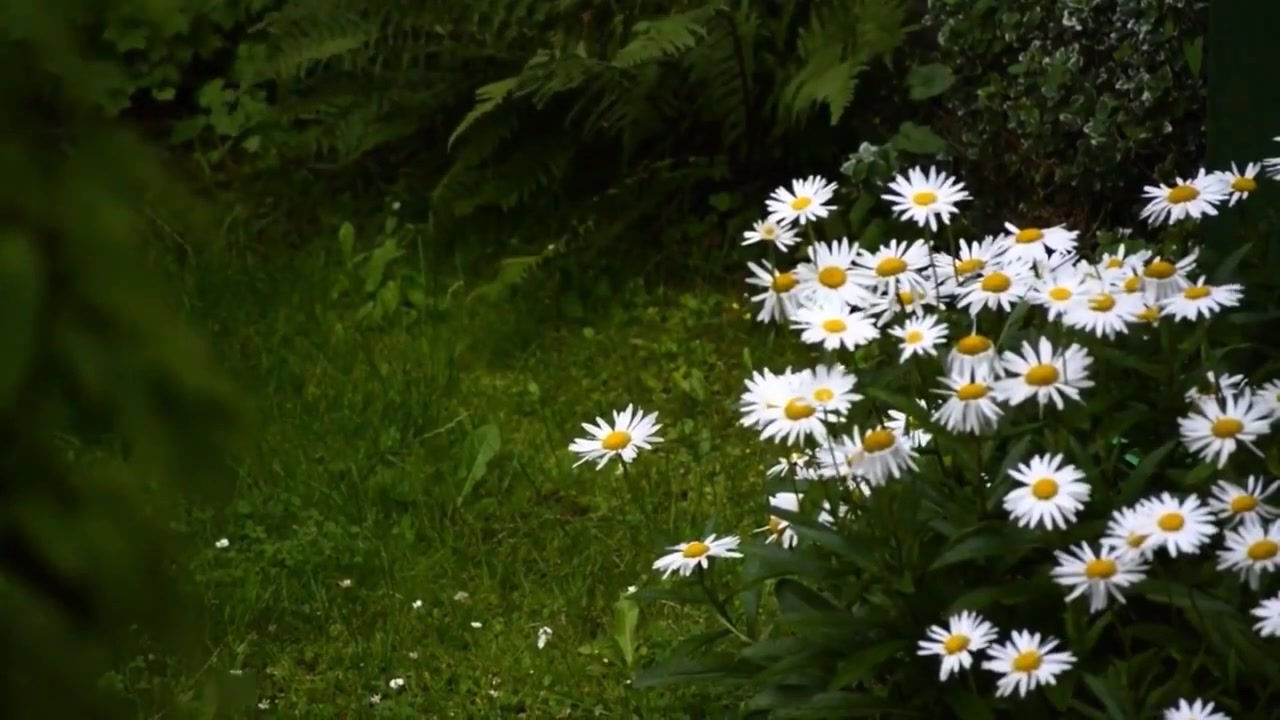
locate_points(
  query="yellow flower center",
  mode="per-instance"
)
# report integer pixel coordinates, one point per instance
(1171, 522)
(1132, 284)
(1102, 303)
(1100, 569)
(1135, 540)
(972, 391)
(1115, 263)
(798, 409)
(784, 282)
(834, 325)
(1226, 427)
(823, 395)
(1060, 294)
(913, 337)
(972, 265)
(1041, 375)
(1244, 184)
(955, 644)
(1150, 314)
(906, 297)
(1026, 236)
(996, 282)
(616, 440)
(1243, 504)
(1198, 292)
(1045, 489)
(878, 440)
(801, 203)
(1160, 270)
(776, 525)
(1183, 194)
(1028, 661)
(1262, 550)
(695, 549)
(768, 232)
(891, 266)
(973, 345)
(832, 276)
(925, 198)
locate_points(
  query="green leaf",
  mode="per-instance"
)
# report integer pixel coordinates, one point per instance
(1009, 594)
(1222, 273)
(1184, 597)
(21, 293)
(926, 81)
(968, 705)
(797, 599)
(1134, 486)
(626, 618)
(484, 442)
(768, 561)
(1193, 51)
(865, 662)
(1105, 691)
(843, 705)
(918, 139)
(376, 268)
(488, 97)
(976, 545)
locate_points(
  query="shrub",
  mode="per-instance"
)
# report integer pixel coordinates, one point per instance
(1014, 464)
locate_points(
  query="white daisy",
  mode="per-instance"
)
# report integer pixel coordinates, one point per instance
(1268, 614)
(973, 356)
(1178, 526)
(798, 419)
(1272, 165)
(970, 406)
(904, 302)
(792, 465)
(1104, 314)
(825, 278)
(1193, 198)
(780, 297)
(831, 389)
(1240, 184)
(972, 257)
(834, 326)
(1044, 373)
(999, 287)
(805, 202)
(630, 432)
(1163, 279)
(1101, 575)
(893, 267)
(1217, 426)
(1234, 503)
(880, 454)
(924, 199)
(1123, 262)
(919, 336)
(1268, 396)
(908, 428)
(1212, 387)
(697, 554)
(1126, 534)
(1251, 548)
(766, 394)
(1195, 710)
(964, 634)
(780, 530)
(1026, 662)
(1059, 290)
(771, 230)
(1202, 300)
(1049, 493)
(1034, 244)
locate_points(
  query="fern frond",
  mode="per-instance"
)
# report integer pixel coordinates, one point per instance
(488, 97)
(654, 40)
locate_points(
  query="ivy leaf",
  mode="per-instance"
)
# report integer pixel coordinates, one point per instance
(926, 81)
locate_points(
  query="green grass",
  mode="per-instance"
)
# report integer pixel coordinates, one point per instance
(367, 489)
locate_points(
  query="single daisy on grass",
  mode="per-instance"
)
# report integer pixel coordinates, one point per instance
(1193, 198)
(1162, 278)
(1058, 291)
(1217, 427)
(1126, 534)
(1194, 710)
(973, 356)
(834, 326)
(1201, 300)
(1234, 503)
(805, 202)
(997, 288)
(970, 406)
(779, 233)
(880, 454)
(1049, 493)
(919, 336)
(964, 634)
(630, 432)
(1026, 662)
(908, 428)
(1251, 548)
(1177, 526)
(1046, 374)
(826, 277)
(1099, 574)
(687, 556)
(893, 267)
(1034, 244)
(1104, 314)
(1240, 184)
(779, 530)
(926, 198)
(780, 296)
(1268, 614)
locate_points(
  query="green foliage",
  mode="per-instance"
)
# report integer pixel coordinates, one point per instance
(1079, 100)
(108, 404)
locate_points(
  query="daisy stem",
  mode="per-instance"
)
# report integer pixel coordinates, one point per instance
(722, 612)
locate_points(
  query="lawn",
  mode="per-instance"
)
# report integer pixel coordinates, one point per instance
(409, 510)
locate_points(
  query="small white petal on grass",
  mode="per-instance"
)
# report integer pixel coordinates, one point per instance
(477, 624)
(544, 636)
(222, 544)
(396, 683)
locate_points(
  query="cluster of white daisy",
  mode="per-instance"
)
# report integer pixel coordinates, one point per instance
(926, 305)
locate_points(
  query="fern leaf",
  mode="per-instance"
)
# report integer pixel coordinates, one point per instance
(657, 39)
(488, 97)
